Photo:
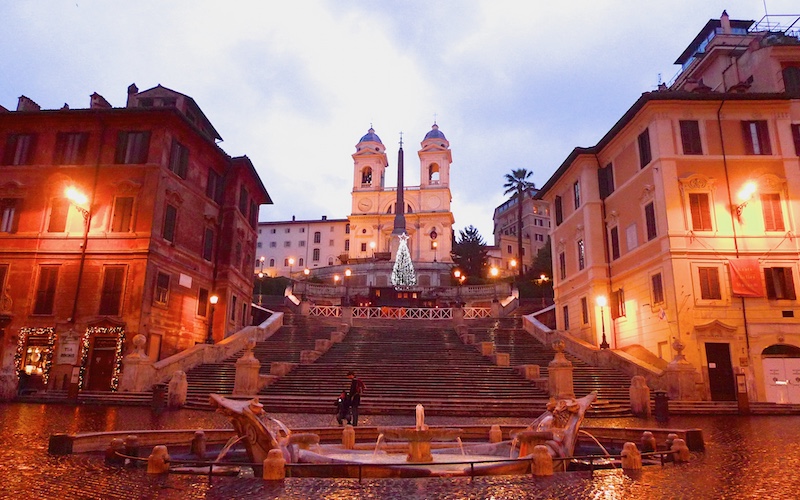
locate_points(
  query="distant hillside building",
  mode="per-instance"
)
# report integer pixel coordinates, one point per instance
(684, 218)
(366, 235)
(535, 227)
(116, 222)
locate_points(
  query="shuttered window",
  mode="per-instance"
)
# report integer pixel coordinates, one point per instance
(650, 219)
(605, 181)
(46, 290)
(559, 211)
(617, 304)
(756, 137)
(111, 296)
(645, 154)
(690, 137)
(614, 243)
(709, 283)
(701, 212)
(779, 282)
(773, 213)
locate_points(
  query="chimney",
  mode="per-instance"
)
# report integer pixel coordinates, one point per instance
(324, 217)
(726, 22)
(132, 91)
(96, 101)
(293, 218)
(27, 104)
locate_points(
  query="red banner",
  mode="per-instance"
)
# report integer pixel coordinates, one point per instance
(746, 278)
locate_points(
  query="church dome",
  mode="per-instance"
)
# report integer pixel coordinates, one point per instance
(371, 136)
(435, 133)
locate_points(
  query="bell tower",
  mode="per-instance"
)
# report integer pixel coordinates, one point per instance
(434, 160)
(369, 163)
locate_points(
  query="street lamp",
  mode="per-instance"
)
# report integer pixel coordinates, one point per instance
(435, 247)
(260, 287)
(513, 265)
(601, 301)
(306, 272)
(291, 263)
(347, 274)
(78, 199)
(210, 337)
(494, 272)
(372, 247)
(745, 195)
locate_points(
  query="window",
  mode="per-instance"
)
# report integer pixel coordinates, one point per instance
(301, 243)
(346, 245)
(271, 262)
(780, 285)
(253, 217)
(366, 176)
(179, 159)
(317, 237)
(645, 154)
(331, 243)
(301, 262)
(562, 265)
(260, 244)
(162, 289)
(132, 147)
(287, 230)
(19, 149)
(287, 244)
(363, 247)
(756, 137)
(111, 294)
(237, 254)
(59, 209)
(657, 287)
(614, 243)
(208, 244)
(243, 199)
(330, 261)
(286, 262)
(273, 244)
(581, 255)
(347, 229)
(584, 311)
(709, 283)
(796, 137)
(508, 248)
(273, 231)
(617, 304)
(202, 302)
(315, 255)
(566, 317)
(244, 312)
(701, 212)
(559, 213)
(690, 137)
(576, 192)
(214, 187)
(605, 181)
(233, 309)
(302, 230)
(46, 290)
(773, 213)
(170, 218)
(650, 220)
(9, 214)
(123, 213)
(71, 148)
(539, 237)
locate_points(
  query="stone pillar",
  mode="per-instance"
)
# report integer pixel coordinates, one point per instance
(198, 447)
(680, 452)
(497, 309)
(458, 316)
(541, 461)
(680, 376)
(502, 359)
(530, 372)
(348, 437)
(648, 442)
(495, 434)
(136, 368)
(640, 397)
(631, 457)
(158, 461)
(560, 374)
(246, 382)
(347, 315)
(178, 386)
(487, 348)
(274, 466)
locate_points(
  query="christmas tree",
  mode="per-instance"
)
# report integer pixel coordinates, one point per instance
(403, 272)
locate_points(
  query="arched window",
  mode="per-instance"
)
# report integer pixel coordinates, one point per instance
(271, 262)
(409, 210)
(433, 173)
(366, 176)
(389, 210)
(330, 261)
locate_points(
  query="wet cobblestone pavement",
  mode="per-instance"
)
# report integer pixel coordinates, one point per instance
(745, 457)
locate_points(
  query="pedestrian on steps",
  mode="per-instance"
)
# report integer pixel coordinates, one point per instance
(357, 388)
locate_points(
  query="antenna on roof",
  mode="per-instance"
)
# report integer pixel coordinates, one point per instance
(401, 140)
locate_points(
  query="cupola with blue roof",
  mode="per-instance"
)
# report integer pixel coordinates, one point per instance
(435, 133)
(371, 136)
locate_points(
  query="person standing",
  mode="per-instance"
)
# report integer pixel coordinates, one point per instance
(357, 388)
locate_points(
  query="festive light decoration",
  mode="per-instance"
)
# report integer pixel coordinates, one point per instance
(47, 352)
(119, 332)
(403, 274)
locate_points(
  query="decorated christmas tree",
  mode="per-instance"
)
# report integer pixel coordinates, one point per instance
(403, 272)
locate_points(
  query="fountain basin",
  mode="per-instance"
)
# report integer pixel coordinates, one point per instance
(419, 440)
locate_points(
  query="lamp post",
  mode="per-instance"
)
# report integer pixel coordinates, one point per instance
(494, 272)
(306, 272)
(435, 247)
(601, 301)
(78, 199)
(372, 246)
(460, 277)
(260, 287)
(347, 274)
(210, 337)
(291, 263)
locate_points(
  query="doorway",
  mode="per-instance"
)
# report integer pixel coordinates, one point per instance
(781, 365)
(720, 372)
(101, 366)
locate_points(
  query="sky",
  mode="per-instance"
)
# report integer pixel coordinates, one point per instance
(294, 85)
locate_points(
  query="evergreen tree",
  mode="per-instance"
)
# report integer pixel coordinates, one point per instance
(403, 274)
(470, 253)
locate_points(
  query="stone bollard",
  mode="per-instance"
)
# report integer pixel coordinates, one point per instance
(541, 461)
(495, 434)
(132, 447)
(648, 442)
(680, 452)
(530, 372)
(348, 437)
(631, 457)
(640, 397)
(176, 393)
(247, 368)
(487, 348)
(502, 359)
(158, 461)
(274, 466)
(117, 446)
(671, 437)
(559, 374)
(198, 447)
(468, 338)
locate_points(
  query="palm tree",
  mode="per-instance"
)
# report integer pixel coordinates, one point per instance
(517, 183)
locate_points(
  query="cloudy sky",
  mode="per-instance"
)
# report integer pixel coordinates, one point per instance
(295, 84)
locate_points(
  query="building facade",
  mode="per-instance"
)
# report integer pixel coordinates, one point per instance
(682, 220)
(365, 237)
(535, 228)
(117, 222)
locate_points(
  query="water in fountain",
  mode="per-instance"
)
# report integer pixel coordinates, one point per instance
(585, 433)
(378, 443)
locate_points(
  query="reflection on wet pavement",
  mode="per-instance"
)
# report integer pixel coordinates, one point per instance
(746, 457)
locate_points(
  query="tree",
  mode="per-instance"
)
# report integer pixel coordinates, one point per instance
(403, 274)
(518, 185)
(470, 253)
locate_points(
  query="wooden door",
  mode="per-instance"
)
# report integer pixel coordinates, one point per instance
(720, 372)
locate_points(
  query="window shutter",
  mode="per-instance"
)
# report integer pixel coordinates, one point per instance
(771, 209)
(787, 274)
(559, 212)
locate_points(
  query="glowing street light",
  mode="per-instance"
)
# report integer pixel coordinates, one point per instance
(78, 200)
(745, 195)
(372, 246)
(291, 263)
(210, 337)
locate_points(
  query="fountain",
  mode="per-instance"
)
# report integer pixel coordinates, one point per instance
(419, 438)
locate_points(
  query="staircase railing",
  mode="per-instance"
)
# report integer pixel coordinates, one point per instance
(403, 312)
(325, 311)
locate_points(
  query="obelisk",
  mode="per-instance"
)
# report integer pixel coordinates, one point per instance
(400, 206)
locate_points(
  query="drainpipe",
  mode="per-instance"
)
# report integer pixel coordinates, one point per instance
(733, 220)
